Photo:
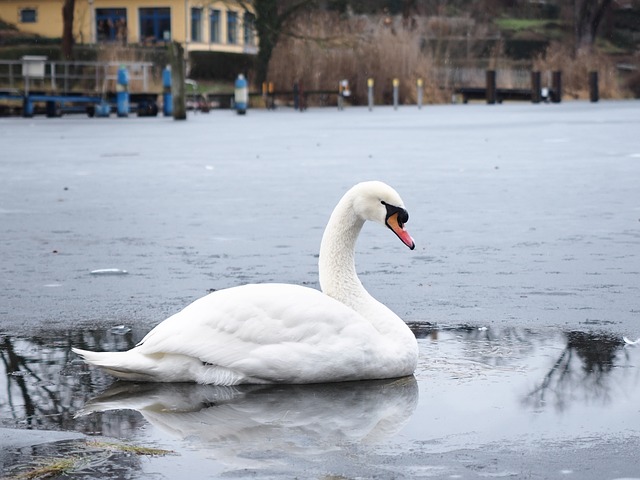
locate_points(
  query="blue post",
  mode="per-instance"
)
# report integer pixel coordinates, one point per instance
(167, 98)
(27, 107)
(241, 95)
(122, 92)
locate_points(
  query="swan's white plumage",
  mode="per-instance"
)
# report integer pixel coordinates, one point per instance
(265, 333)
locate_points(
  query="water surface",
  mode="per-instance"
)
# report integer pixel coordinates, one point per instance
(479, 397)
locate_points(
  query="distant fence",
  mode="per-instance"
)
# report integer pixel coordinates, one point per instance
(520, 85)
(61, 85)
(68, 76)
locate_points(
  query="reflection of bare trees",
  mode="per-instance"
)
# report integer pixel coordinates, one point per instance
(585, 371)
(580, 373)
(44, 384)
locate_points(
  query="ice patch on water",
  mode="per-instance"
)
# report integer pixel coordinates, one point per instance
(120, 329)
(109, 271)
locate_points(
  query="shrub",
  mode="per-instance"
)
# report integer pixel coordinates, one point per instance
(356, 48)
(633, 84)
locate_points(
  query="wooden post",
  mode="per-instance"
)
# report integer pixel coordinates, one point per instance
(594, 94)
(536, 87)
(296, 96)
(396, 87)
(556, 86)
(272, 96)
(491, 87)
(303, 98)
(176, 55)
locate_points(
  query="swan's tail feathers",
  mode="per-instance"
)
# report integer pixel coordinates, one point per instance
(130, 365)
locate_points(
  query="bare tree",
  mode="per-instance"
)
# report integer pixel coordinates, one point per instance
(271, 22)
(588, 15)
(68, 8)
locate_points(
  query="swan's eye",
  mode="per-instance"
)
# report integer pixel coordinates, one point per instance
(403, 215)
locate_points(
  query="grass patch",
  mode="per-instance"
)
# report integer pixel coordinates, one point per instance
(135, 449)
(87, 456)
(519, 24)
(210, 86)
(50, 468)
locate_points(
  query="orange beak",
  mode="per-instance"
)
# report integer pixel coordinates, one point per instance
(394, 224)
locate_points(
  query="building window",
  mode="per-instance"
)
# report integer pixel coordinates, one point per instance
(196, 24)
(111, 24)
(249, 29)
(214, 26)
(155, 25)
(28, 15)
(232, 28)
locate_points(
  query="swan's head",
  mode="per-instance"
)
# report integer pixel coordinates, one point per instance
(378, 202)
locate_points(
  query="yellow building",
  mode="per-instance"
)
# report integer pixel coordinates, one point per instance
(200, 25)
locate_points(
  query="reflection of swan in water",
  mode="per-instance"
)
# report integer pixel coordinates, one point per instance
(242, 422)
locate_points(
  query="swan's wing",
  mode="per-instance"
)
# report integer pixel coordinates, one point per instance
(275, 332)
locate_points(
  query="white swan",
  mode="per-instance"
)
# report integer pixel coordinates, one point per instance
(278, 333)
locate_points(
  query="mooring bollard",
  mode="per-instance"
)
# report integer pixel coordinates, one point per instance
(296, 96)
(267, 95)
(370, 92)
(396, 85)
(241, 95)
(343, 92)
(594, 94)
(122, 92)
(272, 95)
(491, 87)
(167, 99)
(419, 85)
(536, 87)
(178, 72)
(556, 86)
(27, 107)
(302, 99)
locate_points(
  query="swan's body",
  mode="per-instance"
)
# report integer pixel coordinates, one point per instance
(278, 333)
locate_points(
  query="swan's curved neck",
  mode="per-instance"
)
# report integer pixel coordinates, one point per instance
(338, 277)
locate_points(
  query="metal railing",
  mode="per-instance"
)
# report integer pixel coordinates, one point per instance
(73, 76)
